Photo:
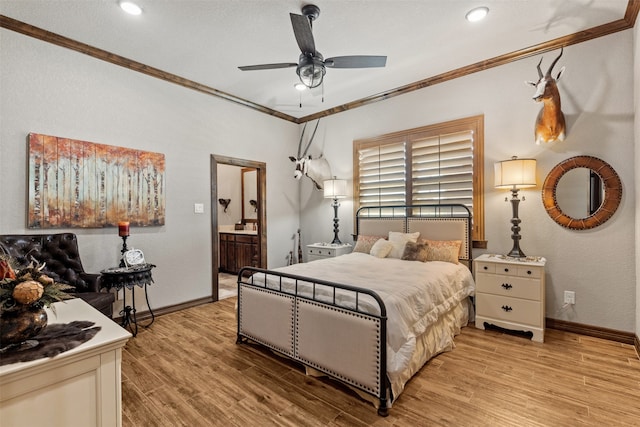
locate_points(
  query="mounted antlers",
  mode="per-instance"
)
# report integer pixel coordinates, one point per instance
(318, 170)
(550, 124)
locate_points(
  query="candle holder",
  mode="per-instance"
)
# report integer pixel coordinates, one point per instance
(123, 250)
(123, 231)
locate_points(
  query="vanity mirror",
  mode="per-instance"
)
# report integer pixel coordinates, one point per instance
(581, 192)
(249, 195)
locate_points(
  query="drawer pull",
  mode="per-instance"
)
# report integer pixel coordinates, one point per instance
(507, 286)
(485, 267)
(507, 308)
(506, 270)
(528, 271)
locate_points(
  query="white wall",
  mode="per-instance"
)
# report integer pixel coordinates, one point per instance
(55, 91)
(598, 264)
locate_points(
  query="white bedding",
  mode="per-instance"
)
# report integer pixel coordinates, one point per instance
(416, 295)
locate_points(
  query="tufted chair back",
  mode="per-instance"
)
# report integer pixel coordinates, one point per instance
(58, 251)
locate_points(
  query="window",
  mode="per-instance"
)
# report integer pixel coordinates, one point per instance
(436, 164)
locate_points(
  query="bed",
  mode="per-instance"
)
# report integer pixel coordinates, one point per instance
(392, 314)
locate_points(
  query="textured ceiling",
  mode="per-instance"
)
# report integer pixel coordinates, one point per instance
(206, 40)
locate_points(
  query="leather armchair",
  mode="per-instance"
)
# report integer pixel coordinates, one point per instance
(60, 254)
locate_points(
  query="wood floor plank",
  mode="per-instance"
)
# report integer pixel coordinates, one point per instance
(186, 369)
(138, 410)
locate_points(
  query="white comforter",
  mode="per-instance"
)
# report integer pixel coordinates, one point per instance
(415, 294)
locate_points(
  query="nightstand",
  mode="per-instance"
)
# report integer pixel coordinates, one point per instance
(510, 293)
(318, 251)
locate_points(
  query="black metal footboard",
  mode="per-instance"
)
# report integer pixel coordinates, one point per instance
(312, 321)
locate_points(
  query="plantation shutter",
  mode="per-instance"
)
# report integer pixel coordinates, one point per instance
(442, 169)
(382, 174)
(435, 164)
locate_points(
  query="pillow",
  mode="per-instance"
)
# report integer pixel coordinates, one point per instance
(399, 240)
(415, 251)
(365, 243)
(443, 250)
(381, 248)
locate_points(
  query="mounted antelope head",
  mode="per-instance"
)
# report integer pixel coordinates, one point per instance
(550, 125)
(318, 170)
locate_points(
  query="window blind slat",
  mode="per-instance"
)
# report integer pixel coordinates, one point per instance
(382, 175)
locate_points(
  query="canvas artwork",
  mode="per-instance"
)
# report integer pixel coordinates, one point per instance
(79, 184)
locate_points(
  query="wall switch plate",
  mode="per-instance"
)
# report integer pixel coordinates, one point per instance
(569, 297)
(198, 208)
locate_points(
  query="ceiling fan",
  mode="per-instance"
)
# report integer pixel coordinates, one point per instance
(311, 65)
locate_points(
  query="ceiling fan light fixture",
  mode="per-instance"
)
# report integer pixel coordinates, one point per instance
(477, 14)
(311, 70)
(130, 7)
(299, 86)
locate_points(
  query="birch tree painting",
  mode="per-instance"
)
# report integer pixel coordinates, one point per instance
(76, 184)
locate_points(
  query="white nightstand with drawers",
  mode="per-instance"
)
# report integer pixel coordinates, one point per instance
(510, 293)
(318, 251)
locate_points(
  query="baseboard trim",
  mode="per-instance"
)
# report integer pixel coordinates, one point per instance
(146, 315)
(594, 331)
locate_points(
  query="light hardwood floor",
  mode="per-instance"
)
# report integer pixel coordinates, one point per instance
(187, 370)
(227, 285)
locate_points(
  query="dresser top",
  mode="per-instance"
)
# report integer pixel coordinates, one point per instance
(111, 335)
(530, 260)
(329, 245)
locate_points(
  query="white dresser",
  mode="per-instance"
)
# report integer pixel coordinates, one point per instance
(510, 293)
(318, 251)
(80, 387)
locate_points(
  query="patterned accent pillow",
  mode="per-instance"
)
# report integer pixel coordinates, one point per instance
(365, 243)
(415, 251)
(443, 250)
(381, 248)
(399, 240)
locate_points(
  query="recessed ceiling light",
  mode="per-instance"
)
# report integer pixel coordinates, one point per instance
(130, 7)
(299, 86)
(477, 14)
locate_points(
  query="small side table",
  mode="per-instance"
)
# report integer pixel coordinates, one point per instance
(130, 277)
(510, 293)
(318, 251)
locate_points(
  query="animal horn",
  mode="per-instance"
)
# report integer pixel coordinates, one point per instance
(301, 136)
(310, 139)
(540, 75)
(554, 62)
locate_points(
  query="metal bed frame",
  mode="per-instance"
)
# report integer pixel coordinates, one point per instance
(300, 326)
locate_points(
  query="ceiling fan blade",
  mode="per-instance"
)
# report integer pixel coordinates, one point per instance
(302, 31)
(356, 61)
(268, 66)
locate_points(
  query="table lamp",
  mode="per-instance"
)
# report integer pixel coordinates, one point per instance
(515, 174)
(335, 189)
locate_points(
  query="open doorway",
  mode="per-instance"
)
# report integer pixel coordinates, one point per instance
(252, 214)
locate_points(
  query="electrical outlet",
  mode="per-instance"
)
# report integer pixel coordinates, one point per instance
(569, 297)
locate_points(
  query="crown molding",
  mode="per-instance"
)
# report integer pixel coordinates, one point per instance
(625, 23)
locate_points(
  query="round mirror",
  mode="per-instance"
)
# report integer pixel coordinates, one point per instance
(581, 192)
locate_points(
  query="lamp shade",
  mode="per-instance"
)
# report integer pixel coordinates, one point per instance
(335, 188)
(515, 173)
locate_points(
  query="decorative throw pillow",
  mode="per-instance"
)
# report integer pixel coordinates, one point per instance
(415, 251)
(381, 248)
(443, 250)
(399, 240)
(365, 243)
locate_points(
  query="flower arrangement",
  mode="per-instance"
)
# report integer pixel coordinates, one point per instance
(29, 286)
